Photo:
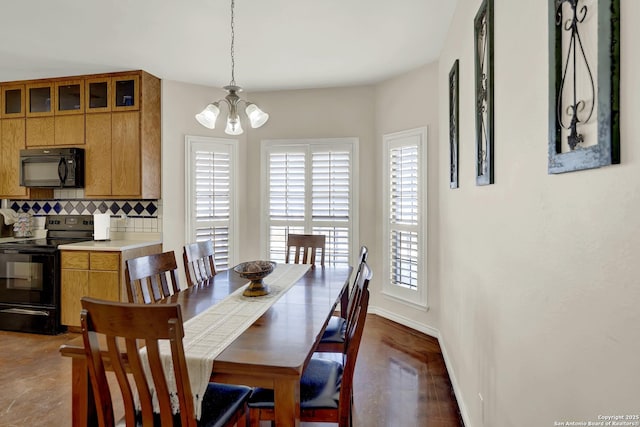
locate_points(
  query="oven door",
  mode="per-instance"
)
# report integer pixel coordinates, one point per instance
(27, 278)
(29, 291)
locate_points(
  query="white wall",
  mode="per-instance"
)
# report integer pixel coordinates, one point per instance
(538, 273)
(406, 102)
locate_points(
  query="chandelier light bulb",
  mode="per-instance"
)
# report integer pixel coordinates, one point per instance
(233, 126)
(208, 116)
(257, 117)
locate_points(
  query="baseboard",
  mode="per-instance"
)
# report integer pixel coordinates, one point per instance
(420, 327)
(432, 332)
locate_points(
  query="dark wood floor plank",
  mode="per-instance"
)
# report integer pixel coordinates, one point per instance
(401, 380)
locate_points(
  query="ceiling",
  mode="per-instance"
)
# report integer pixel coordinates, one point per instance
(279, 44)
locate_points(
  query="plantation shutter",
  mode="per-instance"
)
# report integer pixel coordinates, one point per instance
(403, 215)
(310, 190)
(286, 199)
(211, 198)
(331, 195)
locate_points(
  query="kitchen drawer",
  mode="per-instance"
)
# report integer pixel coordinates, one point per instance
(76, 260)
(106, 261)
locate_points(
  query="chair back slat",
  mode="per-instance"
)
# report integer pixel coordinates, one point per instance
(151, 278)
(306, 247)
(199, 262)
(354, 338)
(134, 324)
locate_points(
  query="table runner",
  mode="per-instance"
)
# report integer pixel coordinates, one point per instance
(209, 333)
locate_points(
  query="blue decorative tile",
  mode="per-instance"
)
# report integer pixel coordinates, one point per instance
(46, 207)
(126, 208)
(151, 209)
(15, 207)
(57, 208)
(36, 207)
(138, 208)
(114, 208)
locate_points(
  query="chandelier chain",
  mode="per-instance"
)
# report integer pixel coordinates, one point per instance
(233, 37)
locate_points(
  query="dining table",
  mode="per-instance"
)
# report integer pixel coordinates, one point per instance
(271, 353)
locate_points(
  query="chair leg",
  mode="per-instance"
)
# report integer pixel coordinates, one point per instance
(254, 417)
(242, 420)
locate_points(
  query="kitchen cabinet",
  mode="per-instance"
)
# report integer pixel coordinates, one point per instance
(12, 140)
(69, 113)
(114, 116)
(98, 274)
(97, 91)
(12, 101)
(55, 113)
(97, 176)
(123, 145)
(125, 90)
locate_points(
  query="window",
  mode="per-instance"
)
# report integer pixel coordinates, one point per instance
(211, 195)
(309, 187)
(405, 215)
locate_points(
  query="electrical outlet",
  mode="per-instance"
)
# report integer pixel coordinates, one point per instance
(481, 407)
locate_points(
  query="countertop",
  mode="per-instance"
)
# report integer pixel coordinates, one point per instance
(118, 242)
(118, 245)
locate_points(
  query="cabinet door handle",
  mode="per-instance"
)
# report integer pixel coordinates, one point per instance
(62, 171)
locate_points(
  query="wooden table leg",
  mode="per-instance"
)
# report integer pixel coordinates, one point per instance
(287, 402)
(82, 404)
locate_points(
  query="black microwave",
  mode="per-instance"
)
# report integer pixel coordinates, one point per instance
(52, 168)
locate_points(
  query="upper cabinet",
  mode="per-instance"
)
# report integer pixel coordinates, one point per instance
(123, 137)
(115, 117)
(12, 101)
(97, 95)
(40, 99)
(126, 93)
(69, 97)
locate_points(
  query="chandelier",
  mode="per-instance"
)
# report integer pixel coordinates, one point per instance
(208, 116)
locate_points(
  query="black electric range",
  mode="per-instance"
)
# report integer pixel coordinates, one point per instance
(30, 275)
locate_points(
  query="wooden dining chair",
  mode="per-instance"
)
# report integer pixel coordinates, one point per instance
(333, 337)
(199, 263)
(326, 386)
(123, 326)
(305, 248)
(149, 277)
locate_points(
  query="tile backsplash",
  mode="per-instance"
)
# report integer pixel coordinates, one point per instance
(140, 216)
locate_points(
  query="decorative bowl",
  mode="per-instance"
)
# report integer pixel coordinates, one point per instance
(255, 271)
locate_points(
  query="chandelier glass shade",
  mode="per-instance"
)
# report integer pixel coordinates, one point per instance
(209, 115)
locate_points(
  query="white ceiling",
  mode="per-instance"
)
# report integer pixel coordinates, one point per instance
(280, 44)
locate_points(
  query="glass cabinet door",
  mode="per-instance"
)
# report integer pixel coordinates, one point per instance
(12, 101)
(126, 93)
(70, 97)
(97, 95)
(40, 99)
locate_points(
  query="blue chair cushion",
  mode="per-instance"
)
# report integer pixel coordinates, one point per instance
(335, 330)
(220, 403)
(319, 387)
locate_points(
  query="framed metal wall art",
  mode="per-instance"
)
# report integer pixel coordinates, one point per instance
(584, 84)
(483, 44)
(453, 125)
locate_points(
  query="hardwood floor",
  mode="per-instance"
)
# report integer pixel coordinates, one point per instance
(400, 381)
